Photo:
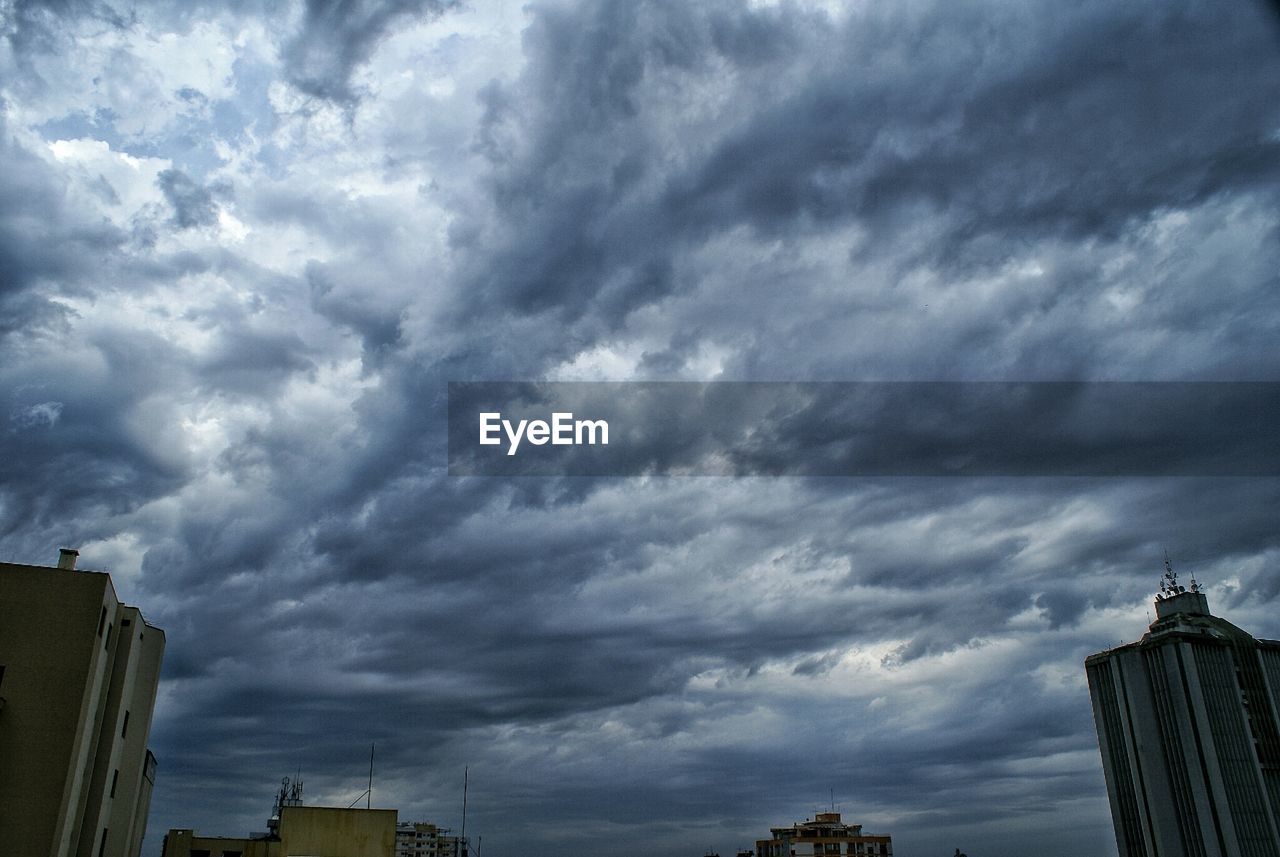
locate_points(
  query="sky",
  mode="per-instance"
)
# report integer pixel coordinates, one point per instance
(245, 246)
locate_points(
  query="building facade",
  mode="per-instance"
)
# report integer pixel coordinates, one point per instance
(1188, 730)
(825, 836)
(78, 678)
(418, 839)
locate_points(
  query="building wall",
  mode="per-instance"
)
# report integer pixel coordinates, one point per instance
(321, 831)
(305, 831)
(185, 843)
(126, 721)
(1189, 737)
(67, 674)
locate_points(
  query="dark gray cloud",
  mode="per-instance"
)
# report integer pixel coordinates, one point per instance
(35, 25)
(337, 35)
(193, 205)
(1087, 122)
(41, 241)
(252, 412)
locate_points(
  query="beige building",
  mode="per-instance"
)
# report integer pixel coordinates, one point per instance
(825, 835)
(78, 678)
(303, 831)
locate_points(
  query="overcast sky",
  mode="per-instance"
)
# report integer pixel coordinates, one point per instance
(245, 245)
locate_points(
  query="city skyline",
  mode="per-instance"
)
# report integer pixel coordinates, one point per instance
(246, 245)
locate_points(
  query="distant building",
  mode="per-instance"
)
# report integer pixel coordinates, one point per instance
(78, 678)
(1188, 729)
(294, 830)
(418, 839)
(302, 830)
(825, 835)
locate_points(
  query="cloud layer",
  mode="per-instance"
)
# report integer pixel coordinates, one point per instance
(245, 245)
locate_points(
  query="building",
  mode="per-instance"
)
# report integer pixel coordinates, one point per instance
(295, 829)
(78, 678)
(302, 830)
(418, 839)
(1187, 725)
(825, 835)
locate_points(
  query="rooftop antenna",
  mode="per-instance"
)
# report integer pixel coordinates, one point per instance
(290, 794)
(465, 771)
(1169, 582)
(367, 794)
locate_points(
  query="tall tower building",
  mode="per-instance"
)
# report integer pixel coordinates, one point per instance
(1187, 724)
(78, 678)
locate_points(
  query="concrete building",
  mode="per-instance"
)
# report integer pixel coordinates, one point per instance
(295, 830)
(78, 678)
(1187, 725)
(304, 831)
(825, 835)
(418, 839)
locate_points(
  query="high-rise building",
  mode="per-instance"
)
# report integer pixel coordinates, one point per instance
(1187, 724)
(826, 834)
(78, 678)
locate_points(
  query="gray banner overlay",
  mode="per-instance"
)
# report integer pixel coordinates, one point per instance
(865, 429)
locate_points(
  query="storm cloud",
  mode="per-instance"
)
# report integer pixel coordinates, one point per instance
(246, 246)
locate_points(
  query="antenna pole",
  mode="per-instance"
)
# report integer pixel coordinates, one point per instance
(368, 801)
(465, 771)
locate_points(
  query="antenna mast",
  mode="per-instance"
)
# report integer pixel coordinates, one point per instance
(465, 771)
(368, 800)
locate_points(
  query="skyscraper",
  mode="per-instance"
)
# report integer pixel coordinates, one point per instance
(78, 678)
(1187, 724)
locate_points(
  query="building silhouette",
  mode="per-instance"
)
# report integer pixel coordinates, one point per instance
(1187, 725)
(78, 678)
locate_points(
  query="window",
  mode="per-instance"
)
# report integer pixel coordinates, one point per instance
(102, 621)
(231, 853)
(115, 780)
(103, 847)
(1, 674)
(124, 730)
(107, 644)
